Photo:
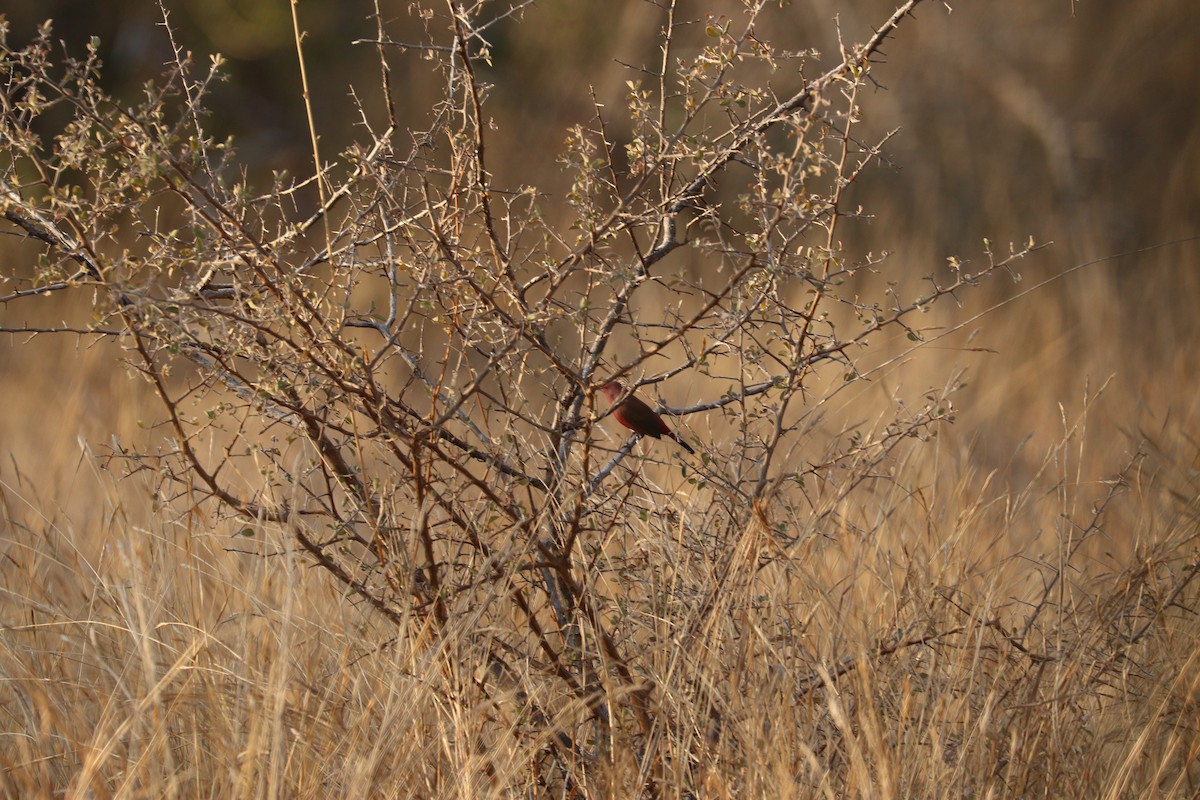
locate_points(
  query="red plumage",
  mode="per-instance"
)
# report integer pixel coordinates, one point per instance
(639, 417)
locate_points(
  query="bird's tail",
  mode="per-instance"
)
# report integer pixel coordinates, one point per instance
(683, 444)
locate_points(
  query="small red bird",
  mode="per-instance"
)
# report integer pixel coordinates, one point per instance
(639, 417)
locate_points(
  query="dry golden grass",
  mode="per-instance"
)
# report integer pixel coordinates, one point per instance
(145, 656)
(1030, 568)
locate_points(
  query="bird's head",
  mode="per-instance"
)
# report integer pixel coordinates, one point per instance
(612, 390)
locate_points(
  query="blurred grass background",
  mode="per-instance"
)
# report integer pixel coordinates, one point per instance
(1076, 123)
(1072, 122)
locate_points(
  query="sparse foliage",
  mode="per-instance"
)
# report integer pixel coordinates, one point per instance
(397, 362)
